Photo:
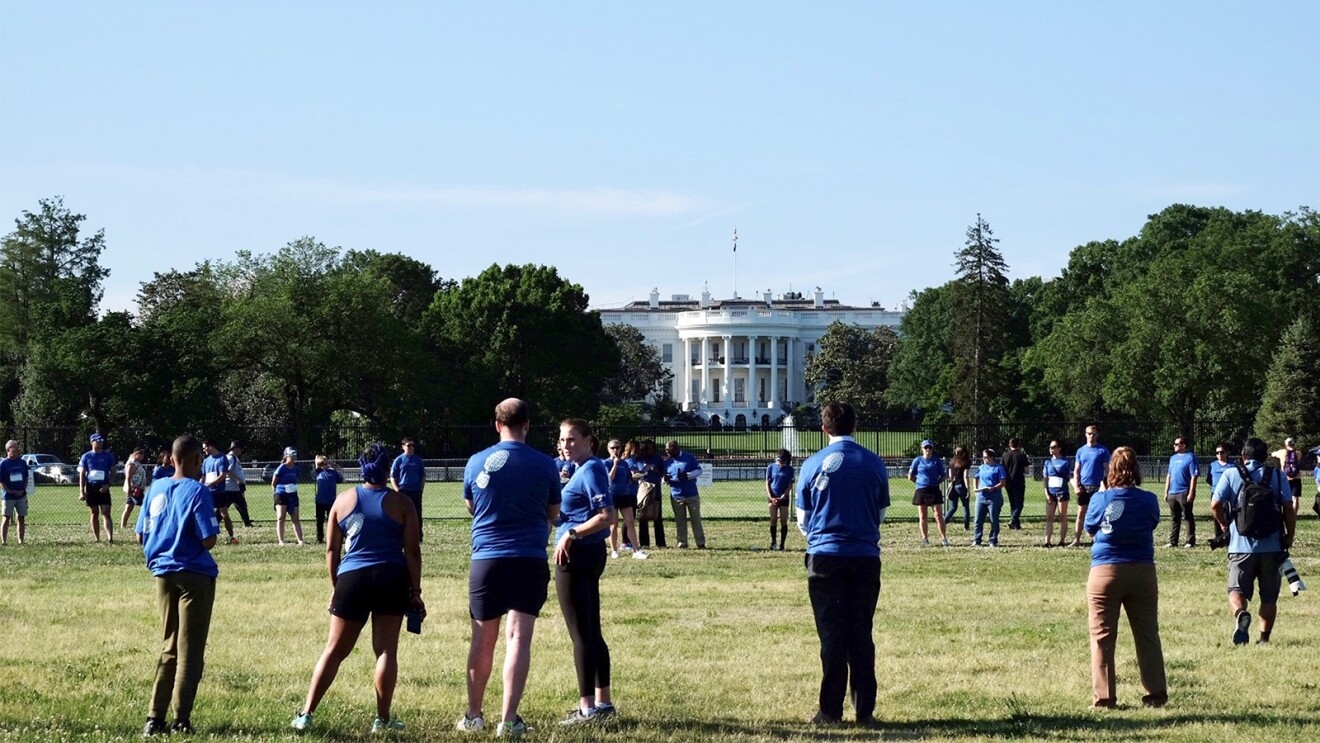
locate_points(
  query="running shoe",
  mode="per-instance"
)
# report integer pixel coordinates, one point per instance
(471, 724)
(514, 729)
(640, 555)
(581, 716)
(384, 726)
(1242, 635)
(153, 728)
(302, 722)
(605, 711)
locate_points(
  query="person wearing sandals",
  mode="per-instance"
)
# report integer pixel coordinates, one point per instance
(377, 576)
(927, 472)
(580, 556)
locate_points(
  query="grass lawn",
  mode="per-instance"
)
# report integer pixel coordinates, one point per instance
(767, 443)
(972, 644)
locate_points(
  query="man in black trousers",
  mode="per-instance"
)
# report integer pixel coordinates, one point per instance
(1016, 463)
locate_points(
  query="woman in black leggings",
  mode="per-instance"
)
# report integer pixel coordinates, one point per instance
(585, 513)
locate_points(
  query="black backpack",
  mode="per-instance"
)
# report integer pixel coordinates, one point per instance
(1258, 513)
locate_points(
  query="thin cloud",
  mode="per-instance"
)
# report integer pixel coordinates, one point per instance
(599, 201)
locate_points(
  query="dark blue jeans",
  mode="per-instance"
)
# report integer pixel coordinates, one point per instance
(959, 493)
(988, 504)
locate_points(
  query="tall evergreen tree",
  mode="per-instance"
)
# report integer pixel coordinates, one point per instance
(1290, 405)
(982, 306)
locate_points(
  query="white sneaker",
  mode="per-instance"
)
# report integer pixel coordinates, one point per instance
(925, 543)
(471, 724)
(614, 555)
(640, 555)
(946, 543)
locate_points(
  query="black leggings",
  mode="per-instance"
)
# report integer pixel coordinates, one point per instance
(578, 587)
(322, 513)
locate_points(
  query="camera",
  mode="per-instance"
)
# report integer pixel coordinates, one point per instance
(1289, 573)
(1219, 541)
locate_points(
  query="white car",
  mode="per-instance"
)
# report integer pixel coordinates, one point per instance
(50, 468)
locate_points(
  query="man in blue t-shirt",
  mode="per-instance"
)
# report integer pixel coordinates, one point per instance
(177, 528)
(1253, 560)
(681, 471)
(513, 494)
(14, 482)
(778, 489)
(408, 476)
(1090, 468)
(1218, 466)
(842, 494)
(94, 471)
(216, 475)
(1180, 491)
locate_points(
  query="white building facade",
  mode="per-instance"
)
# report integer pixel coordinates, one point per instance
(740, 361)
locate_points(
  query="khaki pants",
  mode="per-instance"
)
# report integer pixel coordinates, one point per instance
(683, 510)
(1132, 587)
(185, 600)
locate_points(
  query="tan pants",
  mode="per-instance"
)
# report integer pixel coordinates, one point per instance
(1132, 587)
(185, 600)
(685, 510)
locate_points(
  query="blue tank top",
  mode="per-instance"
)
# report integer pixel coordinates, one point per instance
(371, 536)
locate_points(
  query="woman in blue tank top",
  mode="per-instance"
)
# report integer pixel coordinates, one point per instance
(379, 576)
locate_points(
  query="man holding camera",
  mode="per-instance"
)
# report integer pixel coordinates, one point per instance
(1254, 506)
(681, 471)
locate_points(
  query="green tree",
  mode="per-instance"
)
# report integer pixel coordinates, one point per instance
(1290, 405)
(851, 365)
(981, 305)
(921, 374)
(640, 373)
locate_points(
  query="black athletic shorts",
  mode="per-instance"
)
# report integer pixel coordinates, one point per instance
(1084, 494)
(503, 584)
(221, 499)
(625, 501)
(98, 495)
(379, 589)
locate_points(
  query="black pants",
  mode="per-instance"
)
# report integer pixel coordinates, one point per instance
(1017, 498)
(239, 501)
(1180, 509)
(578, 586)
(644, 539)
(416, 497)
(844, 592)
(322, 513)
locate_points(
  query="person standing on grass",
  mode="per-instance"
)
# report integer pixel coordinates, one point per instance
(989, 496)
(624, 493)
(136, 480)
(236, 482)
(285, 483)
(1016, 463)
(1056, 473)
(512, 492)
(328, 480)
(94, 471)
(408, 475)
(927, 472)
(14, 480)
(177, 529)
(1122, 521)
(164, 467)
(215, 473)
(585, 514)
(842, 496)
(648, 472)
(1220, 464)
(681, 471)
(1180, 491)
(778, 490)
(1290, 460)
(960, 488)
(379, 576)
(1090, 465)
(1258, 537)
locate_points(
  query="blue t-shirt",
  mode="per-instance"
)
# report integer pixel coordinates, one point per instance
(162, 472)
(286, 478)
(779, 478)
(408, 472)
(991, 474)
(1122, 520)
(98, 466)
(216, 464)
(634, 466)
(177, 516)
(14, 477)
(842, 494)
(1182, 468)
(371, 537)
(622, 476)
(929, 472)
(685, 463)
(1230, 485)
(586, 492)
(1217, 471)
(327, 482)
(1092, 465)
(1057, 471)
(652, 468)
(510, 486)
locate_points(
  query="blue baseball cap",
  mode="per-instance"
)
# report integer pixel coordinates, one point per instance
(927, 442)
(290, 452)
(96, 437)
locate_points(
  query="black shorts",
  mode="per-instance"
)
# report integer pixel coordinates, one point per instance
(503, 584)
(98, 495)
(221, 499)
(625, 501)
(927, 497)
(1084, 494)
(379, 589)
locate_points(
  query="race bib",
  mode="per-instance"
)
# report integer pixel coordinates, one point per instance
(290, 488)
(95, 475)
(212, 477)
(16, 477)
(1055, 482)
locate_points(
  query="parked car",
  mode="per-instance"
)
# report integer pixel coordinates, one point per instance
(50, 468)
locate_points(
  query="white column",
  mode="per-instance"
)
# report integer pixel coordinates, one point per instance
(774, 372)
(792, 369)
(705, 368)
(727, 347)
(687, 373)
(752, 397)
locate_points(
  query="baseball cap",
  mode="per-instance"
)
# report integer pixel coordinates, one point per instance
(95, 437)
(927, 442)
(289, 451)
(1288, 441)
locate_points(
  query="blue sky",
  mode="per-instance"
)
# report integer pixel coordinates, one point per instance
(850, 144)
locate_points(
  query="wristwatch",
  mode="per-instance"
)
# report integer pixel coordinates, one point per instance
(573, 535)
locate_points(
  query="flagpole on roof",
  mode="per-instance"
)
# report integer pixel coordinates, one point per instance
(735, 262)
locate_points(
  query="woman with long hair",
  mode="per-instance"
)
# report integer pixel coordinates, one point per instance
(136, 479)
(648, 471)
(585, 513)
(960, 489)
(927, 472)
(378, 576)
(1122, 520)
(624, 492)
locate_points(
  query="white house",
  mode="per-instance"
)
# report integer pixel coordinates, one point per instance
(740, 361)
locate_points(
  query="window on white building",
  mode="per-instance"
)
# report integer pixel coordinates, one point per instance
(715, 389)
(762, 387)
(740, 390)
(667, 353)
(783, 390)
(696, 389)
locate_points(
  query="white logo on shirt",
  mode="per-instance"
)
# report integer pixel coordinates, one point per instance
(831, 464)
(494, 463)
(353, 527)
(154, 510)
(1113, 512)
